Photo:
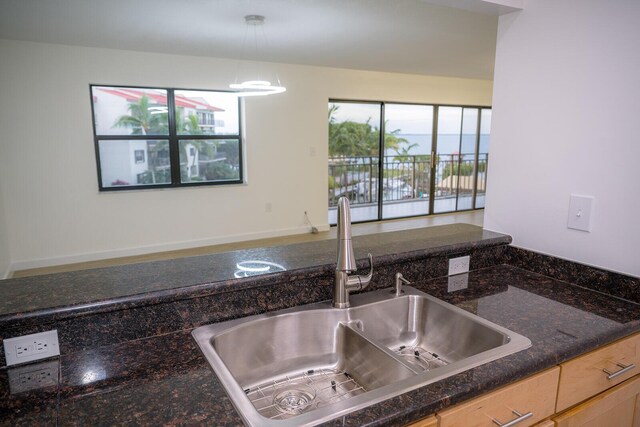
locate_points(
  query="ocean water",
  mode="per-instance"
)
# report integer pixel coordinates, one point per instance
(447, 143)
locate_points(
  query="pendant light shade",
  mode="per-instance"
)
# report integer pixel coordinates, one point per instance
(258, 85)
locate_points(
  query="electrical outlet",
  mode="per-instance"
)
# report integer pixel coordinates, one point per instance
(458, 282)
(459, 265)
(33, 376)
(28, 348)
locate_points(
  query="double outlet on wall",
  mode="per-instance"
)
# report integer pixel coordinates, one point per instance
(28, 348)
(458, 273)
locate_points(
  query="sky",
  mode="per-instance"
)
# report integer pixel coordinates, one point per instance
(226, 100)
(415, 119)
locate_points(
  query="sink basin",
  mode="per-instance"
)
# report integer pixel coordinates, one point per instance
(313, 363)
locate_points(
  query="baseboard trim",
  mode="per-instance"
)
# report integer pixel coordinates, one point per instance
(143, 250)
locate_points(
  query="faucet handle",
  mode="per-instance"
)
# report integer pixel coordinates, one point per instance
(357, 282)
(366, 279)
(398, 285)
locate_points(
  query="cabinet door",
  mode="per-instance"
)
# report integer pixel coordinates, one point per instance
(425, 422)
(535, 395)
(617, 407)
(588, 375)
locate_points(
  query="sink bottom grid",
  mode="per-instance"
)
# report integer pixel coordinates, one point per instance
(295, 394)
(420, 358)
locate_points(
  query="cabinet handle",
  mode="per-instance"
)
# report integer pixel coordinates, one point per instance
(521, 417)
(624, 370)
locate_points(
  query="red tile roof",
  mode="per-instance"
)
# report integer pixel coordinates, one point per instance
(159, 97)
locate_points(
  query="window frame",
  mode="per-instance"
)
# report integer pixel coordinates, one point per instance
(172, 137)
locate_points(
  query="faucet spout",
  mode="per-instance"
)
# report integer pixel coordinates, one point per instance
(346, 263)
(346, 259)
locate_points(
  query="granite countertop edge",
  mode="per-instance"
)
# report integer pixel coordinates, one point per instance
(232, 285)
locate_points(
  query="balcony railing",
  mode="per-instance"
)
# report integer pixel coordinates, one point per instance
(405, 177)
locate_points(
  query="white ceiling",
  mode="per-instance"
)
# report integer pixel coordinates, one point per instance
(407, 36)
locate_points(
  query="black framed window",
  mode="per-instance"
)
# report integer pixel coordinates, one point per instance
(164, 137)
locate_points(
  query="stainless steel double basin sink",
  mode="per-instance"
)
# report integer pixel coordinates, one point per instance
(309, 364)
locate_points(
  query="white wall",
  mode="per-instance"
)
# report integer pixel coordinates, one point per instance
(53, 209)
(566, 120)
(5, 256)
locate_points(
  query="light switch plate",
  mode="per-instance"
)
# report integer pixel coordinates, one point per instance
(580, 213)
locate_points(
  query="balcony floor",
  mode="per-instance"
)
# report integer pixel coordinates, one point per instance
(408, 208)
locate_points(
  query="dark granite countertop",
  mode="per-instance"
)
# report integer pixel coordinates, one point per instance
(110, 288)
(163, 380)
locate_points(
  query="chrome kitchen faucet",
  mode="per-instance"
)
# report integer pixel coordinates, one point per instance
(346, 263)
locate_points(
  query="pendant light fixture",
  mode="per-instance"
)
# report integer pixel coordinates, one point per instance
(257, 86)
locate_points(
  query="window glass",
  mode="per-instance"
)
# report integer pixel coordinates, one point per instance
(130, 111)
(125, 163)
(206, 113)
(206, 160)
(447, 158)
(407, 160)
(467, 161)
(354, 154)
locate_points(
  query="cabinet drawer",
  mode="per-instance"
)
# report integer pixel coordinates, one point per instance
(617, 407)
(595, 372)
(536, 394)
(547, 423)
(425, 422)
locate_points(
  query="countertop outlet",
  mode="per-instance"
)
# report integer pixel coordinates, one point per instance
(459, 265)
(28, 348)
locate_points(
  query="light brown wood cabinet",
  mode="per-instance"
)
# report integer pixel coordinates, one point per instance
(535, 395)
(426, 422)
(597, 371)
(606, 381)
(617, 407)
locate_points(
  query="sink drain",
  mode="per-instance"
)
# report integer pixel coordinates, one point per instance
(294, 398)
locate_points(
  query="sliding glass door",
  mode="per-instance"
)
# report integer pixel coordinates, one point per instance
(354, 158)
(396, 160)
(456, 165)
(407, 160)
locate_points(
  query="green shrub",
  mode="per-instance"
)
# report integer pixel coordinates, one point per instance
(219, 170)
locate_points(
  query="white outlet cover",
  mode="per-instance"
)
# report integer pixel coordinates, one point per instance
(50, 338)
(459, 265)
(580, 213)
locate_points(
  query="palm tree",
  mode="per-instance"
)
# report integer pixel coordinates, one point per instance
(402, 153)
(351, 139)
(356, 139)
(189, 125)
(143, 119)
